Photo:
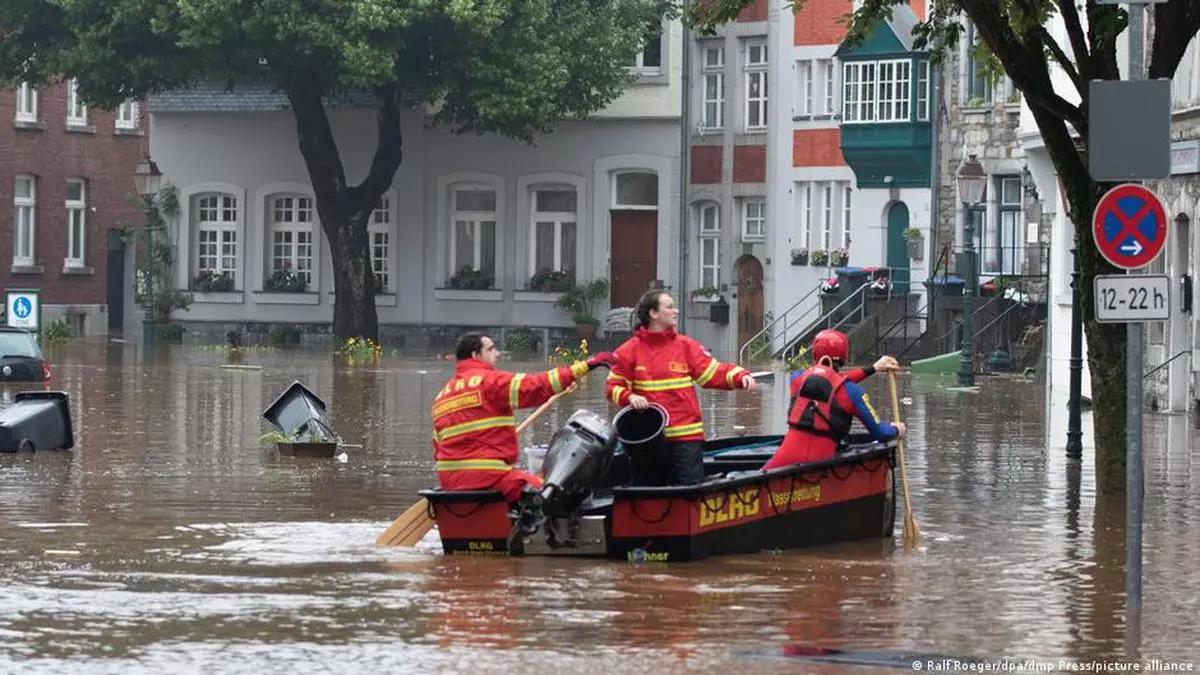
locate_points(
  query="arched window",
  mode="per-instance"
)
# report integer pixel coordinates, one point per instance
(291, 219)
(473, 231)
(709, 219)
(217, 218)
(554, 219)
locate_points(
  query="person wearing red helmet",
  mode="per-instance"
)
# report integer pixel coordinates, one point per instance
(827, 401)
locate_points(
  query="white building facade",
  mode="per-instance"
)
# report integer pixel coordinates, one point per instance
(463, 236)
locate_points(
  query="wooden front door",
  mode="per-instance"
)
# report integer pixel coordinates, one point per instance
(634, 255)
(750, 298)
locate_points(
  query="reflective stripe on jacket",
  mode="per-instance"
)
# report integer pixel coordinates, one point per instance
(665, 367)
(473, 414)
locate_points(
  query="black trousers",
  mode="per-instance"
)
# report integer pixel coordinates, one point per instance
(679, 463)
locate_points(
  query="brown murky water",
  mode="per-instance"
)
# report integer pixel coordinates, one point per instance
(190, 547)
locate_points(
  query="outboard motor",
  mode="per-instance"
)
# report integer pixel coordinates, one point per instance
(577, 460)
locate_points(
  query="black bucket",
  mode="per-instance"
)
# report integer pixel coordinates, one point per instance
(641, 429)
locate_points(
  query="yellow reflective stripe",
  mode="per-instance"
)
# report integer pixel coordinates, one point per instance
(867, 400)
(473, 465)
(579, 369)
(616, 394)
(468, 427)
(684, 430)
(734, 374)
(555, 381)
(663, 385)
(708, 373)
(514, 391)
(613, 377)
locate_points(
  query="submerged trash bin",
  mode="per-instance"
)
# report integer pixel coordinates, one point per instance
(37, 420)
(299, 413)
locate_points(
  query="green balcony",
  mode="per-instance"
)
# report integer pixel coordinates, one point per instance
(897, 149)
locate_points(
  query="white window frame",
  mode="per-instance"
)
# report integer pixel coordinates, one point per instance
(827, 216)
(829, 73)
(860, 92)
(893, 76)
(76, 253)
(805, 192)
(558, 218)
(619, 206)
(25, 222)
(846, 215)
(712, 72)
(26, 103)
(923, 87)
(804, 92)
(127, 115)
(76, 109)
(379, 237)
(224, 226)
(756, 72)
(297, 227)
(639, 62)
(760, 232)
(710, 245)
(710, 262)
(476, 219)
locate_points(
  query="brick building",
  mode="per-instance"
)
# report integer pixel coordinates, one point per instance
(65, 182)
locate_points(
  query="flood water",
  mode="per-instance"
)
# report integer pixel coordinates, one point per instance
(171, 540)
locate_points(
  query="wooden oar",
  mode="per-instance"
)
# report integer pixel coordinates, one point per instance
(414, 523)
(912, 536)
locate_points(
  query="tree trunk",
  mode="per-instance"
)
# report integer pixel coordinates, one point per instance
(354, 313)
(343, 209)
(1106, 342)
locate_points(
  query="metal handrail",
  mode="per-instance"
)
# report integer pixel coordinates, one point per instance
(902, 321)
(766, 330)
(1162, 365)
(860, 291)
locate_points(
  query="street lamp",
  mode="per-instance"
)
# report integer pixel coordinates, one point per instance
(972, 187)
(147, 179)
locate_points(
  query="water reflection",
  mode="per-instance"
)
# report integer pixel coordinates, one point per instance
(171, 535)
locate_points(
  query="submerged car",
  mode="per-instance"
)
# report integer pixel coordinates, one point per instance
(21, 358)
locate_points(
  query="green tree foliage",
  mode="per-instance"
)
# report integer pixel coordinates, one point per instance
(1016, 36)
(510, 67)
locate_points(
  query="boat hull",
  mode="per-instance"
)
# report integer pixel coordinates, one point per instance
(740, 510)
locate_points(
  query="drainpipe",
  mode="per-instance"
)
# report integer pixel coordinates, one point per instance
(685, 156)
(935, 98)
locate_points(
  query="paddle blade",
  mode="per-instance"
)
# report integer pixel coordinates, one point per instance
(409, 528)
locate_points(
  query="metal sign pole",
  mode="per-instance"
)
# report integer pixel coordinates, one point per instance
(1133, 405)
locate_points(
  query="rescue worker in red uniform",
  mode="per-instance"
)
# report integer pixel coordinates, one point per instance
(657, 365)
(474, 438)
(826, 403)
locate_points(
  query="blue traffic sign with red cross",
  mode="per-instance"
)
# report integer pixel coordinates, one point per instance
(1130, 226)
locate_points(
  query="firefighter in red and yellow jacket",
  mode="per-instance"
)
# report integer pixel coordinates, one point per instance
(657, 365)
(474, 438)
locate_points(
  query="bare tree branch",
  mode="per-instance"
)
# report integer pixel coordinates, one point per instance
(1079, 44)
(1175, 23)
(1063, 60)
(1025, 63)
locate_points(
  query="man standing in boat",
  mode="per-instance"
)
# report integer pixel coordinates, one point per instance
(657, 365)
(474, 438)
(826, 402)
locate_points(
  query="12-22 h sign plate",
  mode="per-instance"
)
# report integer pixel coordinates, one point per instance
(1132, 298)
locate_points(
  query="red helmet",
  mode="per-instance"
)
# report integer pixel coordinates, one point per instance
(830, 343)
